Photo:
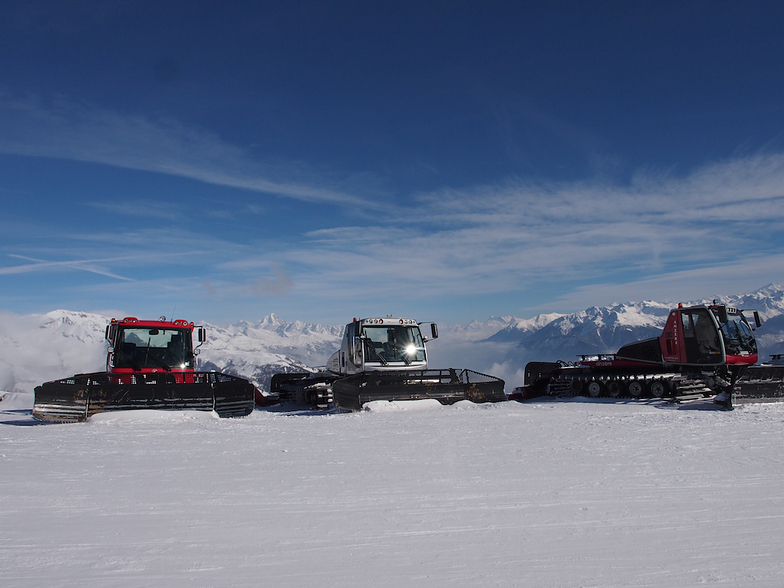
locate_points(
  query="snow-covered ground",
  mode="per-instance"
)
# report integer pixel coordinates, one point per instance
(547, 493)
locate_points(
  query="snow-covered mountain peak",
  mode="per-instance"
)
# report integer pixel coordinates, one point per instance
(770, 291)
(281, 328)
(69, 322)
(516, 327)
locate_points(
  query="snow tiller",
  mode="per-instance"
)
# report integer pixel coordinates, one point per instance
(703, 351)
(384, 358)
(150, 365)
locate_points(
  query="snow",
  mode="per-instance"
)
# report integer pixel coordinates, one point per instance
(558, 493)
(38, 348)
(389, 405)
(272, 341)
(546, 493)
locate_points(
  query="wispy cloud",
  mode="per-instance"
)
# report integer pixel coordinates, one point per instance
(80, 132)
(516, 114)
(95, 266)
(140, 209)
(517, 235)
(151, 250)
(737, 276)
(582, 240)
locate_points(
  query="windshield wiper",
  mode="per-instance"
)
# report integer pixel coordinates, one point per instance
(160, 362)
(372, 350)
(134, 366)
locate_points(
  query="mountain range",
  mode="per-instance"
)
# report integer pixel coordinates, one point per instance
(38, 348)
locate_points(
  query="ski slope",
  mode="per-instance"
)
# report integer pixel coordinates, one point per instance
(547, 493)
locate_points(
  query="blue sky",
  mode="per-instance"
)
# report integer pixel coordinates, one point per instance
(443, 160)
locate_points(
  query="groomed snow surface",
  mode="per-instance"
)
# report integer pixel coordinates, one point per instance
(542, 494)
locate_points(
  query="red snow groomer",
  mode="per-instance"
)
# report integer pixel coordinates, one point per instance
(703, 351)
(150, 365)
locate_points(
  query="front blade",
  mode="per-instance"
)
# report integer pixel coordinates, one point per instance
(79, 397)
(760, 383)
(446, 385)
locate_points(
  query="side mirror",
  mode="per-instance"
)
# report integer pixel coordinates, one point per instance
(722, 312)
(757, 319)
(434, 330)
(201, 337)
(111, 333)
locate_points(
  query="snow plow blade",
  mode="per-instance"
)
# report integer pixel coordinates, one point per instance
(79, 397)
(760, 383)
(447, 386)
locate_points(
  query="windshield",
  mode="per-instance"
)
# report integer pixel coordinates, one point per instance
(738, 337)
(141, 348)
(396, 343)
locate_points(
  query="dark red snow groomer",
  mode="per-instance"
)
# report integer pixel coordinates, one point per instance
(702, 351)
(150, 365)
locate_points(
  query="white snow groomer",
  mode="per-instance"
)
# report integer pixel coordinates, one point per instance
(384, 359)
(150, 365)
